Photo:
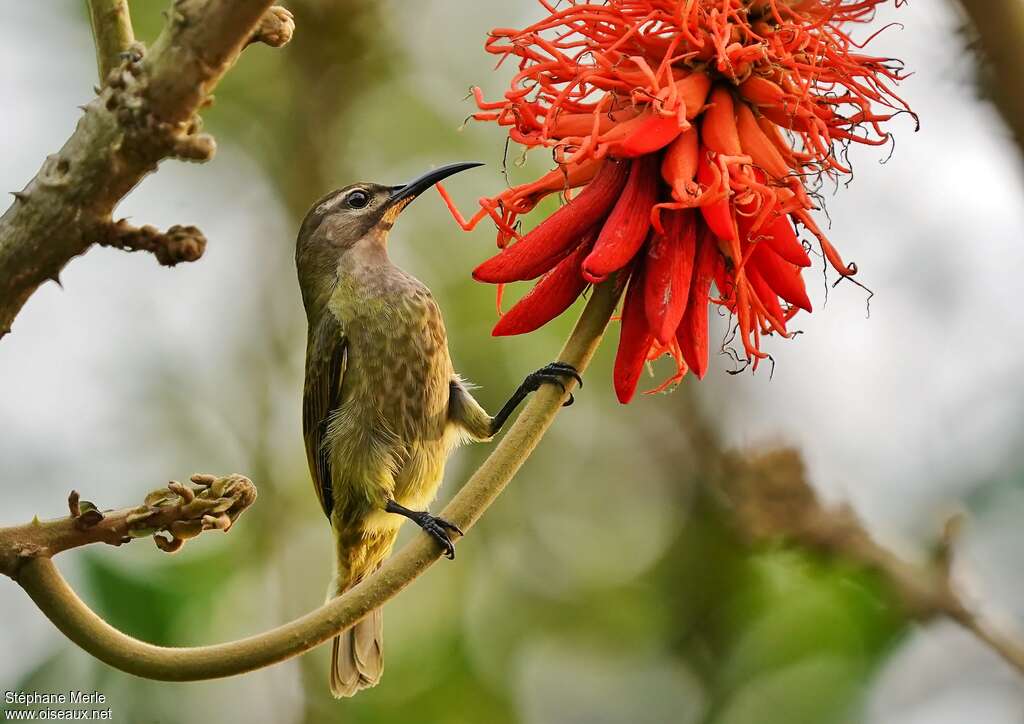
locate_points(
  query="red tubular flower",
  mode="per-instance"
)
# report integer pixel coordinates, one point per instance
(635, 339)
(693, 128)
(669, 265)
(552, 295)
(626, 227)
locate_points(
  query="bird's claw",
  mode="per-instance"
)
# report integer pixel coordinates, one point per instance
(437, 528)
(566, 369)
(554, 373)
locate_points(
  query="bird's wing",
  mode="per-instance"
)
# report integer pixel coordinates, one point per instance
(326, 358)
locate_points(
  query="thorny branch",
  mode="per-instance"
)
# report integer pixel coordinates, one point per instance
(771, 498)
(145, 112)
(170, 515)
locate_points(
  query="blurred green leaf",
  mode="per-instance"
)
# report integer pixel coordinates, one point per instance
(152, 602)
(816, 690)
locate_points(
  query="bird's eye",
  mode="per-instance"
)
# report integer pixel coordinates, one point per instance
(358, 199)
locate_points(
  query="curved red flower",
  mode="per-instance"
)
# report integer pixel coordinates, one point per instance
(696, 130)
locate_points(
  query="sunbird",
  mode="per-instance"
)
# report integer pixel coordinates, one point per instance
(382, 406)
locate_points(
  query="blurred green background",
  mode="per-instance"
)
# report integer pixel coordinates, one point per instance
(606, 584)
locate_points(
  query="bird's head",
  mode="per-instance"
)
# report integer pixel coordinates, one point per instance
(342, 219)
(351, 224)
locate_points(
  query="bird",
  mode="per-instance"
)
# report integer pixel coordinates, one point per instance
(382, 406)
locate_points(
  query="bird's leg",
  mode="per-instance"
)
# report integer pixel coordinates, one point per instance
(554, 374)
(436, 528)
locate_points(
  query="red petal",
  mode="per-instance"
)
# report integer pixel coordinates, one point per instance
(635, 339)
(692, 334)
(679, 165)
(626, 228)
(652, 134)
(717, 214)
(669, 271)
(552, 295)
(718, 129)
(768, 298)
(553, 238)
(778, 233)
(784, 278)
(781, 237)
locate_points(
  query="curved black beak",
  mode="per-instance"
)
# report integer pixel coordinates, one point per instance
(403, 195)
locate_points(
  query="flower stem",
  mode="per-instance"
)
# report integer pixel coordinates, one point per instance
(54, 597)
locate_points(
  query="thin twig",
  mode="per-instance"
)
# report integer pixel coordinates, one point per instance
(51, 593)
(1010, 648)
(112, 33)
(771, 498)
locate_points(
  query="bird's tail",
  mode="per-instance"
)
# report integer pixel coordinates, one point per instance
(357, 654)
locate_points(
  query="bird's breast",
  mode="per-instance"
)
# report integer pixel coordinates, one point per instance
(398, 363)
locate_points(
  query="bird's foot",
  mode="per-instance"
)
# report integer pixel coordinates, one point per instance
(554, 373)
(437, 528)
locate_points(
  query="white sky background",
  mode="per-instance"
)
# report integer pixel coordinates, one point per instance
(901, 413)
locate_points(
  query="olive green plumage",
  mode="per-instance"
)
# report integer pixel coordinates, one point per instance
(382, 406)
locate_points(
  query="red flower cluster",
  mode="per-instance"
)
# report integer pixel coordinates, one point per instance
(695, 129)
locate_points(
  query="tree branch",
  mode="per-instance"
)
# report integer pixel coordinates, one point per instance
(771, 498)
(51, 593)
(170, 515)
(112, 33)
(146, 112)
(1000, 28)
